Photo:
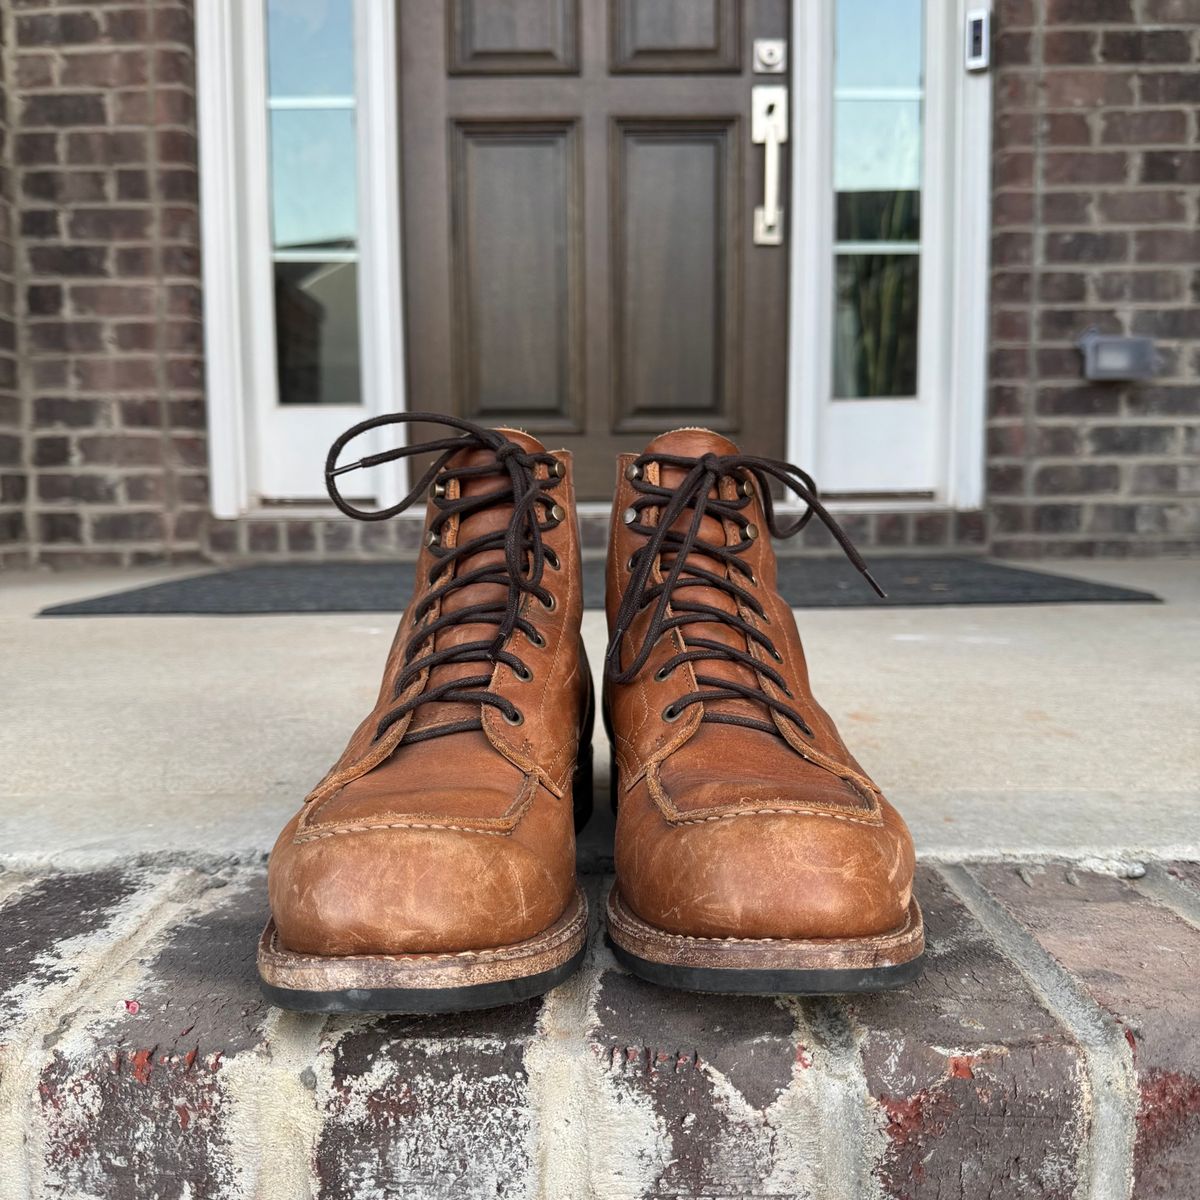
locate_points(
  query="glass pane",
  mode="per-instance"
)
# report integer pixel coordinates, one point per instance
(310, 47)
(875, 325)
(316, 332)
(878, 44)
(877, 145)
(878, 216)
(312, 180)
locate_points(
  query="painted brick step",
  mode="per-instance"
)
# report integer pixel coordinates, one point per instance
(1050, 1050)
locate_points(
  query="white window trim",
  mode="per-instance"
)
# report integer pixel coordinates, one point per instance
(960, 165)
(234, 221)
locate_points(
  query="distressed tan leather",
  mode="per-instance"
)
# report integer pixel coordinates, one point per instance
(730, 832)
(465, 841)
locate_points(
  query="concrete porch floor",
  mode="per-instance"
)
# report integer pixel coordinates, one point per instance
(1047, 759)
(1041, 731)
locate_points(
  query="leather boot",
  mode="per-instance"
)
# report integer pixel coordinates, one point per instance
(433, 868)
(753, 853)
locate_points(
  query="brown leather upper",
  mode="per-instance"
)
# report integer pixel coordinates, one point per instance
(464, 841)
(727, 831)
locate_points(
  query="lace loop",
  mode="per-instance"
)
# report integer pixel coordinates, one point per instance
(673, 610)
(521, 540)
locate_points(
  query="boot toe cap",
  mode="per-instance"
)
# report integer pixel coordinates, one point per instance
(788, 875)
(410, 891)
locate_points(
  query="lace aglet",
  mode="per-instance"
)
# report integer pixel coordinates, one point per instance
(874, 584)
(333, 472)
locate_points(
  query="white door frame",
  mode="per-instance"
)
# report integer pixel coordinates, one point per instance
(236, 236)
(231, 102)
(954, 267)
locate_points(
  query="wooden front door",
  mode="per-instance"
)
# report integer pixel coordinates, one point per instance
(579, 189)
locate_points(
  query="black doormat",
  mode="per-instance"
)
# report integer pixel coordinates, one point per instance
(805, 582)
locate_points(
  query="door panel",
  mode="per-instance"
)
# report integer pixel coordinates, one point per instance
(526, 37)
(516, 270)
(675, 243)
(675, 35)
(578, 249)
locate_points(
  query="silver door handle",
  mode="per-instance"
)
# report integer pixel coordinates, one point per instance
(769, 129)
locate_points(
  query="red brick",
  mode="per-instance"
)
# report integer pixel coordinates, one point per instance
(1087, 12)
(153, 1074)
(1136, 960)
(1086, 247)
(1065, 167)
(956, 1111)
(1143, 46)
(1067, 47)
(1179, 246)
(1141, 207)
(57, 29)
(1144, 127)
(1087, 89)
(1171, 166)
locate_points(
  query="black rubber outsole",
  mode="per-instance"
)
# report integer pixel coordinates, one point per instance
(744, 982)
(423, 1000)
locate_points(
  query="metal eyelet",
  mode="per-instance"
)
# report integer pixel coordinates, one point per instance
(519, 719)
(551, 603)
(557, 512)
(745, 488)
(552, 559)
(632, 472)
(438, 490)
(663, 674)
(753, 580)
(536, 639)
(523, 673)
(671, 713)
(432, 539)
(776, 655)
(630, 564)
(558, 470)
(751, 532)
(629, 516)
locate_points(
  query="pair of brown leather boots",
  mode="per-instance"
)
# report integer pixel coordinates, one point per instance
(433, 868)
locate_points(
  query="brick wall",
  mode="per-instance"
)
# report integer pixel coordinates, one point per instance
(14, 480)
(104, 154)
(102, 429)
(1097, 211)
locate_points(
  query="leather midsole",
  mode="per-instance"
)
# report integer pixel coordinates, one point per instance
(899, 945)
(285, 968)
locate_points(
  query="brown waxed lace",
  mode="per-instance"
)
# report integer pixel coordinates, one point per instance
(525, 558)
(698, 492)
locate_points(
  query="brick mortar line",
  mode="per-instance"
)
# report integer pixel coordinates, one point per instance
(135, 925)
(275, 1115)
(1171, 893)
(845, 1118)
(1107, 1156)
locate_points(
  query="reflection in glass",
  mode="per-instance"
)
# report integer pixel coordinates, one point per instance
(878, 216)
(310, 47)
(313, 189)
(875, 325)
(878, 44)
(877, 144)
(316, 332)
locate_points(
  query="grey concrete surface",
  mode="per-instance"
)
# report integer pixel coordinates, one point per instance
(1040, 731)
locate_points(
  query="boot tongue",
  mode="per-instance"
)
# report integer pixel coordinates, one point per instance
(495, 518)
(694, 444)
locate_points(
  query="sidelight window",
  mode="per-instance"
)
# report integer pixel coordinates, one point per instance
(877, 118)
